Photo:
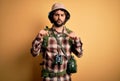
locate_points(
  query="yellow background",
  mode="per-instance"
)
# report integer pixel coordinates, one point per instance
(97, 22)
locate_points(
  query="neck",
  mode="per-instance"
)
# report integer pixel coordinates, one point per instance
(58, 29)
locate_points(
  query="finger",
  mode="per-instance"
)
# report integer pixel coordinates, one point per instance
(67, 34)
(39, 34)
(47, 33)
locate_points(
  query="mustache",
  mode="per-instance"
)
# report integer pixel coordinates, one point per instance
(59, 20)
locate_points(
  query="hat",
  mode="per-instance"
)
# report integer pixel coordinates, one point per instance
(58, 6)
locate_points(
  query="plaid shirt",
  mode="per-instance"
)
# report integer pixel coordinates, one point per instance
(52, 49)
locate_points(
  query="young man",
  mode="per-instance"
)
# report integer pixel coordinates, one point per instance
(56, 45)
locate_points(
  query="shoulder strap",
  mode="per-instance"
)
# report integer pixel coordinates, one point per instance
(60, 44)
(45, 38)
(70, 40)
(68, 30)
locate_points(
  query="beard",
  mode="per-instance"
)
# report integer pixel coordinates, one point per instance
(59, 23)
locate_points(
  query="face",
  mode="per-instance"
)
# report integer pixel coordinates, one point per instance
(59, 18)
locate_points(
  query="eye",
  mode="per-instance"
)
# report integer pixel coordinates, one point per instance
(56, 14)
(62, 15)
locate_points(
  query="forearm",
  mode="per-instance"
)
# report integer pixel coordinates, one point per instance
(36, 45)
(77, 47)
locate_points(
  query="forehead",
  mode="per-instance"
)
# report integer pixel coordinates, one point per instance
(59, 12)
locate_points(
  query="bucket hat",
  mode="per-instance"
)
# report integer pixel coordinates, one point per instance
(57, 6)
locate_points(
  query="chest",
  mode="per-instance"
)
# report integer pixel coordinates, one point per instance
(53, 43)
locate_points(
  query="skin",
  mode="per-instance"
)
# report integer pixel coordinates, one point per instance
(59, 18)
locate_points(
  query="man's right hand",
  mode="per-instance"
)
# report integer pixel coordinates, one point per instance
(43, 32)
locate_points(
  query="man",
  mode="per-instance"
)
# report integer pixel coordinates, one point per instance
(56, 45)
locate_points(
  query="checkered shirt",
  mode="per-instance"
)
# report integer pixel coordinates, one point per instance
(52, 49)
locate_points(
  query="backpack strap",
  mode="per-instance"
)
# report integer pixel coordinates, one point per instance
(70, 40)
(45, 38)
(68, 30)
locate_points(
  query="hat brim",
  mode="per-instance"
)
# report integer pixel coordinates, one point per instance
(59, 9)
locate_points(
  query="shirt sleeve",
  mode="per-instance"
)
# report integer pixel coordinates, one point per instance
(36, 45)
(77, 47)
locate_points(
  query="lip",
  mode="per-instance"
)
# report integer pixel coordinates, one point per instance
(59, 21)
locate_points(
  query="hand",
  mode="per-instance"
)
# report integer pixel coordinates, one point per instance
(43, 32)
(72, 35)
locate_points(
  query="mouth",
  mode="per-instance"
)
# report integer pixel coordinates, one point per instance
(59, 21)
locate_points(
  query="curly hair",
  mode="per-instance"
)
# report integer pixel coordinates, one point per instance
(50, 16)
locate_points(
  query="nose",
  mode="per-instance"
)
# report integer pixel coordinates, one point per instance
(60, 16)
